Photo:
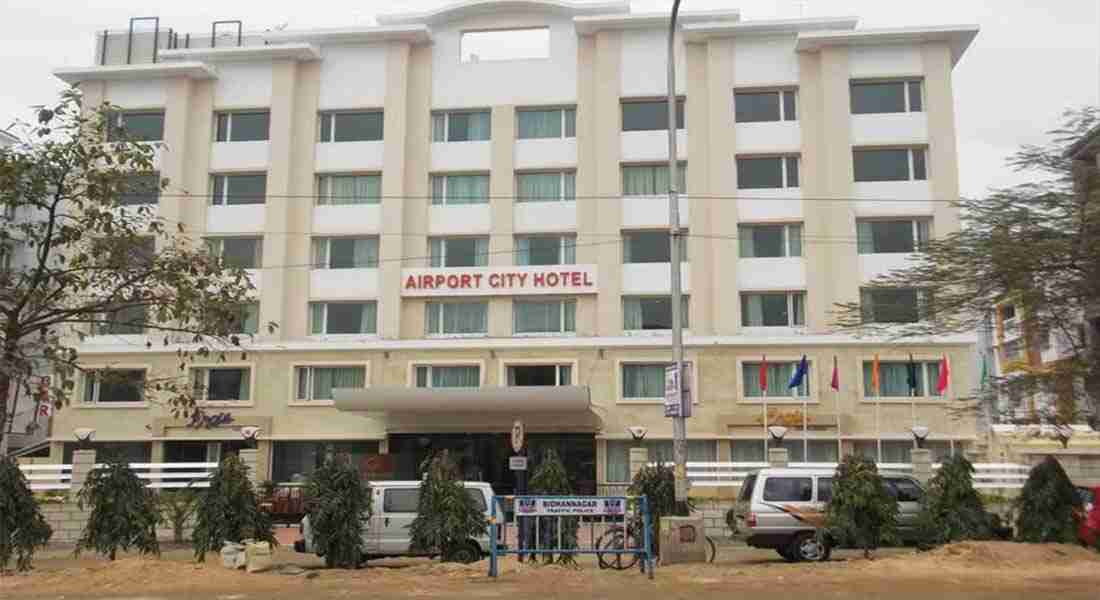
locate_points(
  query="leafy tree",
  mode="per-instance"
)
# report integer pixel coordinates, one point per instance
(861, 512)
(176, 507)
(123, 511)
(83, 264)
(952, 510)
(1047, 505)
(23, 529)
(1036, 245)
(229, 511)
(339, 503)
(447, 517)
(551, 479)
(658, 484)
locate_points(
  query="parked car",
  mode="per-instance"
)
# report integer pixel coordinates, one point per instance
(1088, 526)
(783, 509)
(394, 508)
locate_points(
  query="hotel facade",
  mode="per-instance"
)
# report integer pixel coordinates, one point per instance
(460, 218)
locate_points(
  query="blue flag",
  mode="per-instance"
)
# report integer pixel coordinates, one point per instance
(799, 374)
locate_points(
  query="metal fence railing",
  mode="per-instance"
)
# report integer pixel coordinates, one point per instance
(158, 475)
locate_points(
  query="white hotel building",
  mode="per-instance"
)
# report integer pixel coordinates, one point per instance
(463, 213)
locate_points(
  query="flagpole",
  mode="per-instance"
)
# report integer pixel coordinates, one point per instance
(765, 424)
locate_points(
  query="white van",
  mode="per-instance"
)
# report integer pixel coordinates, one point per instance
(394, 506)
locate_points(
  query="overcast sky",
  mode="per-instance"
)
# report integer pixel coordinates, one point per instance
(1032, 58)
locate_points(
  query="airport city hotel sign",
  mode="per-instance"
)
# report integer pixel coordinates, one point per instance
(499, 281)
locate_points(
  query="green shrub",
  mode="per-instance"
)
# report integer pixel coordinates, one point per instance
(658, 485)
(1046, 505)
(123, 512)
(447, 516)
(551, 479)
(338, 505)
(23, 529)
(176, 507)
(952, 509)
(229, 511)
(861, 513)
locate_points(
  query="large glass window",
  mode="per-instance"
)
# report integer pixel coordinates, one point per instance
(542, 316)
(540, 375)
(532, 123)
(784, 309)
(546, 250)
(137, 126)
(560, 186)
(351, 126)
(892, 236)
(456, 318)
(901, 379)
(870, 97)
(343, 318)
(243, 126)
(646, 313)
(899, 305)
(651, 180)
(779, 376)
(294, 462)
(345, 253)
(651, 247)
(660, 451)
(643, 381)
(460, 189)
(349, 189)
(241, 253)
(109, 386)
(238, 189)
(759, 106)
(448, 376)
(767, 172)
(317, 383)
(769, 241)
(650, 115)
(222, 384)
(788, 489)
(459, 252)
(889, 164)
(464, 126)
(142, 188)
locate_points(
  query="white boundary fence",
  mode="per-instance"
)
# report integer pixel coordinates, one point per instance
(158, 475)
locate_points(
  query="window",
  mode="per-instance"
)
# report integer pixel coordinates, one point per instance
(546, 123)
(788, 489)
(351, 126)
(651, 180)
(241, 253)
(893, 451)
(769, 241)
(461, 126)
(124, 254)
(644, 381)
(898, 305)
(541, 375)
(111, 386)
(294, 462)
(243, 126)
(222, 384)
(646, 313)
(554, 316)
(343, 318)
(432, 376)
(247, 320)
(905, 490)
(871, 97)
(768, 172)
(650, 115)
(349, 189)
(889, 237)
(651, 247)
(345, 253)
(460, 189)
(546, 187)
(459, 252)
(755, 107)
(129, 320)
(779, 375)
(894, 379)
(138, 126)
(824, 489)
(1008, 312)
(401, 500)
(546, 250)
(456, 318)
(317, 383)
(753, 450)
(890, 164)
(784, 309)
(505, 44)
(660, 451)
(231, 190)
(143, 188)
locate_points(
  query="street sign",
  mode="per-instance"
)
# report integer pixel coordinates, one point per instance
(678, 391)
(517, 463)
(518, 433)
(551, 506)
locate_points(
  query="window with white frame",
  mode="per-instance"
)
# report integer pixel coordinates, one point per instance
(544, 316)
(760, 106)
(650, 115)
(114, 386)
(652, 246)
(345, 253)
(238, 252)
(889, 236)
(556, 186)
(773, 309)
(461, 126)
(136, 125)
(873, 97)
(753, 450)
(127, 320)
(522, 43)
(546, 250)
(139, 189)
(900, 379)
(767, 172)
(222, 384)
(892, 305)
(643, 381)
(317, 382)
(659, 451)
(343, 318)
(247, 320)
(889, 164)
(539, 375)
(448, 376)
(770, 241)
(651, 180)
(458, 252)
(351, 126)
(456, 318)
(243, 126)
(335, 189)
(641, 313)
(542, 123)
(230, 190)
(460, 189)
(779, 374)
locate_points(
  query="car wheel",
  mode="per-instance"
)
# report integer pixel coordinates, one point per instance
(785, 552)
(466, 553)
(809, 547)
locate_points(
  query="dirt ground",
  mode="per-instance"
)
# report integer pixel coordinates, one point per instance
(988, 570)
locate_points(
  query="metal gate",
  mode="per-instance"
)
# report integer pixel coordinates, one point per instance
(614, 528)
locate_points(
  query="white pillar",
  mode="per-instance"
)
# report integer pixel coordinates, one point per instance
(778, 458)
(83, 463)
(639, 458)
(922, 464)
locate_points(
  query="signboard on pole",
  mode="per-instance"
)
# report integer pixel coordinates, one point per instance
(518, 434)
(517, 463)
(545, 507)
(678, 391)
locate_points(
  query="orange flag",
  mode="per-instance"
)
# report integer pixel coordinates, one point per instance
(875, 382)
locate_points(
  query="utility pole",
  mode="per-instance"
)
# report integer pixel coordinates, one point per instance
(679, 420)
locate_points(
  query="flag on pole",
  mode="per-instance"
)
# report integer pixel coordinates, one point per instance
(911, 376)
(945, 376)
(764, 374)
(835, 384)
(875, 377)
(799, 373)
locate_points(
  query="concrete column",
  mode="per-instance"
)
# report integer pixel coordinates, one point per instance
(922, 464)
(250, 458)
(639, 458)
(778, 458)
(83, 463)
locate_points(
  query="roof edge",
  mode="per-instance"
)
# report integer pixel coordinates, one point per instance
(295, 51)
(715, 29)
(414, 33)
(586, 25)
(190, 69)
(959, 36)
(469, 8)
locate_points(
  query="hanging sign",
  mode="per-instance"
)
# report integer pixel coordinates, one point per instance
(546, 507)
(517, 463)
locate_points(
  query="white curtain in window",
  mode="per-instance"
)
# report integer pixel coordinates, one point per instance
(320, 253)
(570, 319)
(439, 127)
(747, 451)
(779, 375)
(865, 238)
(659, 451)
(479, 126)
(640, 181)
(539, 187)
(432, 314)
(632, 314)
(456, 377)
(467, 189)
(352, 189)
(317, 318)
(539, 124)
(481, 252)
(327, 378)
(798, 308)
(754, 308)
(465, 317)
(893, 379)
(568, 250)
(435, 252)
(745, 242)
(366, 253)
(523, 251)
(924, 232)
(643, 381)
(794, 240)
(570, 193)
(369, 322)
(437, 188)
(538, 317)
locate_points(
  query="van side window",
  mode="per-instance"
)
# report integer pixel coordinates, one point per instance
(905, 490)
(746, 488)
(479, 498)
(788, 489)
(401, 500)
(824, 489)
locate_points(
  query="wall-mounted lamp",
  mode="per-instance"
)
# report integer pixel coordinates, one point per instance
(637, 432)
(920, 434)
(84, 437)
(778, 432)
(250, 435)
(1063, 433)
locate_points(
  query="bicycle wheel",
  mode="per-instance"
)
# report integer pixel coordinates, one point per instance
(605, 539)
(622, 558)
(712, 550)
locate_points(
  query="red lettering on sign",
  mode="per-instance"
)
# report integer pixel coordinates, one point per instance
(552, 280)
(452, 281)
(539, 279)
(439, 281)
(494, 280)
(466, 280)
(477, 280)
(587, 280)
(522, 279)
(575, 279)
(410, 283)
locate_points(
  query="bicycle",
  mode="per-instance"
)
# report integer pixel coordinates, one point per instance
(618, 538)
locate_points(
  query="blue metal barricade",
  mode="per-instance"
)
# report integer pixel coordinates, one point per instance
(614, 528)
